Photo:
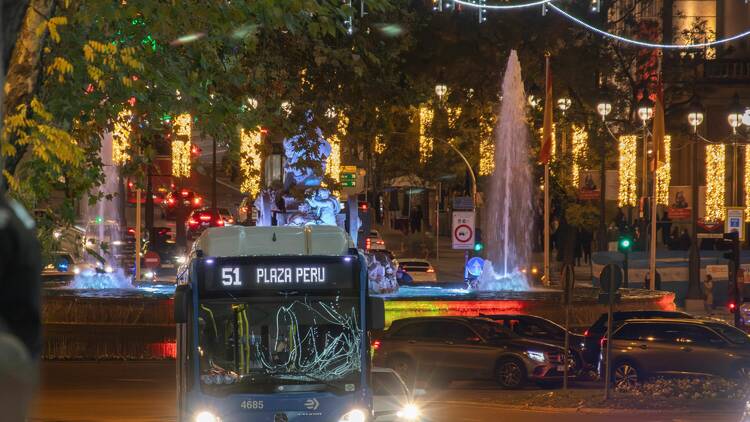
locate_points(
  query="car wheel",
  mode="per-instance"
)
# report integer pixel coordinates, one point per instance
(625, 374)
(405, 368)
(510, 374)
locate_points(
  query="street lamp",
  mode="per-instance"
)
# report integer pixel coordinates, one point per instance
(603, 108)
(645, 108)
(441, 90)
(535, 97)
(695, 113)
(564, 103)
(604, 104)
(736, 111)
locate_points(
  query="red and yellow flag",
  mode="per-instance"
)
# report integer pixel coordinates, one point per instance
(547, 130)
(657, 132)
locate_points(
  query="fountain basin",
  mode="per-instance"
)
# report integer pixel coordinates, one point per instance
(139, 324)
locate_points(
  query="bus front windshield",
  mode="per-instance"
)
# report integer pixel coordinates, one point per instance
(278, 343)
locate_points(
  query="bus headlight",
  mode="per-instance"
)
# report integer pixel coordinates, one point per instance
(206, 416)
(354, 415)
(410, 412)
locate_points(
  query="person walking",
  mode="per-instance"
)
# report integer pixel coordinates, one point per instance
(416, 219)
(666, 227)
(708, 294)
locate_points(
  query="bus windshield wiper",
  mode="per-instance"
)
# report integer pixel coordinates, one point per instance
(316, 379)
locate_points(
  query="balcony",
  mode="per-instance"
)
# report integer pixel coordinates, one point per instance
(726, 70)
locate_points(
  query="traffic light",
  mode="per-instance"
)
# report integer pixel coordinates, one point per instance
(478, 245)
(625, 243)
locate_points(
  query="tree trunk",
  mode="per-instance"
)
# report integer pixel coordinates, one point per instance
(23, 77)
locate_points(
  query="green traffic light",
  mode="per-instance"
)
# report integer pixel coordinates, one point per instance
(478, 247)
(625, 243)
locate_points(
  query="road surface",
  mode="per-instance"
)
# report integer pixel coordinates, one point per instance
(144, 392)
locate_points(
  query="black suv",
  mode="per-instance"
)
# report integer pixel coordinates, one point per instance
(595, 335)
(451, 348)
(645, 347)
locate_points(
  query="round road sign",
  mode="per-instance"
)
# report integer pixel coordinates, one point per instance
(610, 278)
(151, 259)
(474, 266)
(463, 233)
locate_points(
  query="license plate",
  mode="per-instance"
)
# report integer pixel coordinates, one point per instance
(205, 224)
(167, 265)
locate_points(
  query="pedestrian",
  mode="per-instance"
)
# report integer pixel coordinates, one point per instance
(586, 238)
(416, 219)
(685, 240)
(578, 248)
(666, 227)
(708, 294)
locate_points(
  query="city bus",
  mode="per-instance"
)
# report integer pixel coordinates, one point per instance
(273, 325)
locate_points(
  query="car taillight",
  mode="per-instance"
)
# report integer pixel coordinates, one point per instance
(197, 200)
(219, 222)
(170, 201)
(205, 217)
(375, 345)
(586, 333)
(184, 193)
(131, 230)
(380, 242)
(230, 220)
(732, 307)
(430, 270)
(192, 222)
(368, 243)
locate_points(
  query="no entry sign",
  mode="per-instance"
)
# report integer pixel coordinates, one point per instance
(463, 230)
(151, 260)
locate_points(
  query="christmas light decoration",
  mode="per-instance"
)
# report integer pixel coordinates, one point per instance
(486, 147)
(580, 142)
(250, 161)
(626, 196)
(425, 140)
(664, 174)
(333, 166)
(454, 113)
(379, 144)
(715, 173)
(181, 145)
(121, 137)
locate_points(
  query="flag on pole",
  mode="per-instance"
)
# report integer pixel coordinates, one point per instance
(658, 129)
(546, 151)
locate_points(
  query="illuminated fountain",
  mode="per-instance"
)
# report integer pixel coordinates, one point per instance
(101, 268)
(509, 212)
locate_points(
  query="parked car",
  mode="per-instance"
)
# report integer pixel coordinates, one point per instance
(374, 241)
(420, 270)
(538, 328)
(391, 398)
(189, 199)
(227, 216)
(452, 348)
(593, 336)
(646, 347)
(202, 219)
(62, 267)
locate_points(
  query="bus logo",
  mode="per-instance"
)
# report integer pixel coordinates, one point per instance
(312, 404)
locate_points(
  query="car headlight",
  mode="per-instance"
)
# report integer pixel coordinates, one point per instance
(206, 416)
(410, 412)
(76, 270)
(354, 415)
(537, 356)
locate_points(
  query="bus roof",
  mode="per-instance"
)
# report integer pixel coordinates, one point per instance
(274, 241)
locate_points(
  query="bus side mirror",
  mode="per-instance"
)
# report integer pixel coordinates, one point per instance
(375, 313)
(181, 300)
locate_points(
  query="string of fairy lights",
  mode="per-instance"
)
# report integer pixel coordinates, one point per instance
(250, 160)
(181, 145)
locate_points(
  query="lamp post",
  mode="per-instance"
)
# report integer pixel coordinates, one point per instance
(441, 90)
(534, 97)
(563, 104)
(695, 117)
(645, 113)
(603, 108)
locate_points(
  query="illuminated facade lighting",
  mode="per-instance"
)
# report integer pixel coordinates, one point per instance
(379, 144)
(626, 196)
(425, 139)
(664, 174)
(486, 147)
(333, 166)
(715, 187)
(181, 145)
(121, 138)
(250, 161)
(580, 144)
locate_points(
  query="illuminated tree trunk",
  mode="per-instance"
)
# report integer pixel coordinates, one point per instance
(23, 76)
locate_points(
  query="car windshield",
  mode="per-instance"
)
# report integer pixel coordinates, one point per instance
(491, 330)
(730, 333)
(264, 344)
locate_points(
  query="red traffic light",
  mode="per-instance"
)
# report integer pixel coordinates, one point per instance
(732, 307)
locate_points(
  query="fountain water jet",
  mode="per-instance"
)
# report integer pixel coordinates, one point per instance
(509, 210)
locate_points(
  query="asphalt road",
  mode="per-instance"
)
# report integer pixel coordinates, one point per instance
(144, 392)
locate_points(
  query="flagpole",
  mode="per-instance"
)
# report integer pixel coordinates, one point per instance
(547, 274)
